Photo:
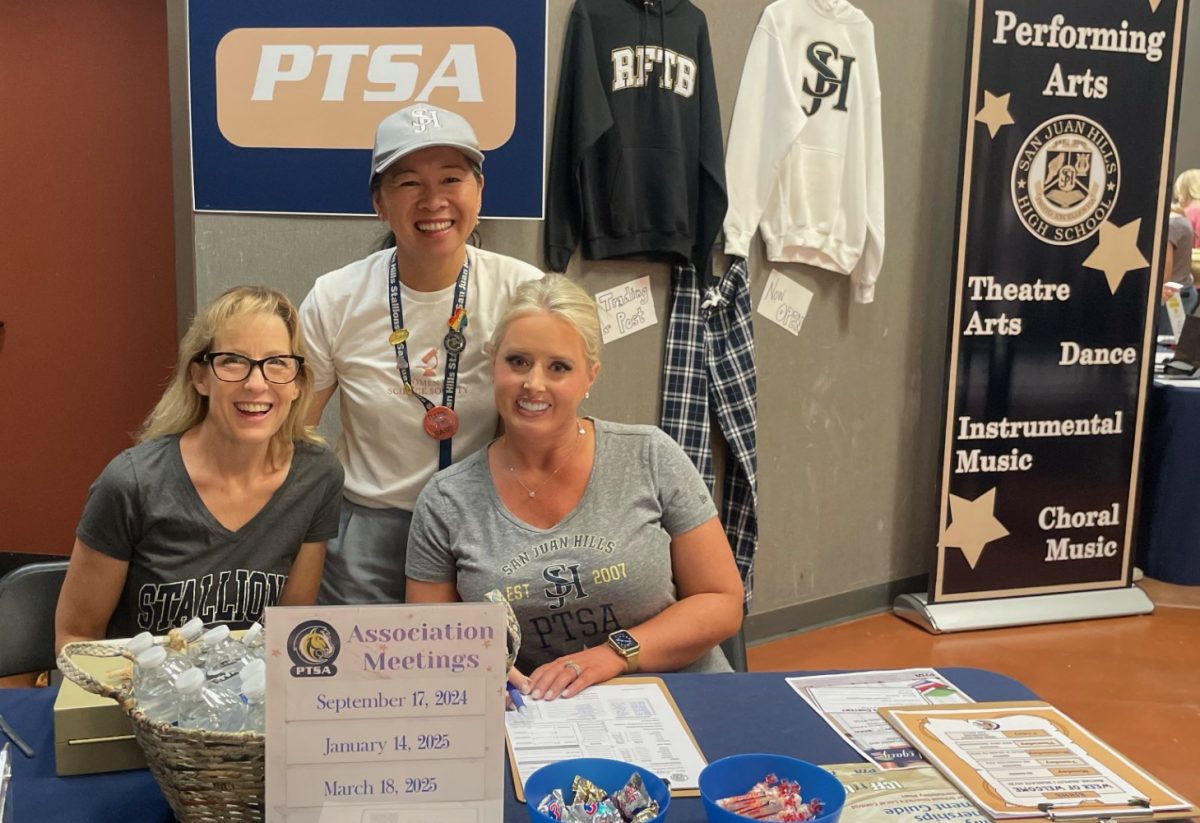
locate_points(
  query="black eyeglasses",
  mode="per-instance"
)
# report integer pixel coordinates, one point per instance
(229, 367)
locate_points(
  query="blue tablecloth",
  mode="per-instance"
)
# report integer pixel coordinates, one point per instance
(1169, 527)
(728, 714)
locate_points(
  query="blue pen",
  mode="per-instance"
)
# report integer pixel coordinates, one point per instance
(514, 694)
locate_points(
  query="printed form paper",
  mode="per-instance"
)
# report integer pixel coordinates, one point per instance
(1024, 759)
(632, 721)
(850, 703)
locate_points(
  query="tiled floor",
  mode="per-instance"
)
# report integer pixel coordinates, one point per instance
(1134, 682)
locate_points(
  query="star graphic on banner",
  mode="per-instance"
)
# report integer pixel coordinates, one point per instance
(1154, 4)
(1117, 252)
(972, 525)
(994, 112)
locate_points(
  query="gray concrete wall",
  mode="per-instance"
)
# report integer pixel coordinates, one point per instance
(849, 411)
(1187, 145)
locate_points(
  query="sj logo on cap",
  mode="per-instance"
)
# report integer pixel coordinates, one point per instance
(422, 119)
(329, 87)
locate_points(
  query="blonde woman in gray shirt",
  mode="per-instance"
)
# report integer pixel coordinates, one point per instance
(602, 536)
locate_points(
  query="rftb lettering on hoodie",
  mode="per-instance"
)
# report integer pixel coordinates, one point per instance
(633, 67)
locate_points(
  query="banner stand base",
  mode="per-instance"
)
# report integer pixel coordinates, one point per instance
(970, 615)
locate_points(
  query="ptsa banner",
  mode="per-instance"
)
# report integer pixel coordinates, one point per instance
(285, 96)
(1069, 117)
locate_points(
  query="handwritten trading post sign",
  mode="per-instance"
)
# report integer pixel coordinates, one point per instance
(1069, 116)
(392, 710)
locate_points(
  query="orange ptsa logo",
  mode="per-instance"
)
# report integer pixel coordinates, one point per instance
(330, 87)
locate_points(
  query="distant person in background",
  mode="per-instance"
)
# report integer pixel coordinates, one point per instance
(1178, 260)
(224, 506)
(1187, 197)
(396, 331)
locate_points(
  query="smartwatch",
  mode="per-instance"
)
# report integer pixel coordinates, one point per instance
(626, 645)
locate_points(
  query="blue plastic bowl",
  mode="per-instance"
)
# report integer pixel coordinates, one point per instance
(610, 775)
(737, 775)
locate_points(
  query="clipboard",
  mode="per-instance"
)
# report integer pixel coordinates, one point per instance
(518, 782)
(978, 747)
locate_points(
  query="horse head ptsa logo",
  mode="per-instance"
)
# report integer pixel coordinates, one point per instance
(313, 646)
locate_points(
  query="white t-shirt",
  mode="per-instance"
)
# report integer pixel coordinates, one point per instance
(346, 320)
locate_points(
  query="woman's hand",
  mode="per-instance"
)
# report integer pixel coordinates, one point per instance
(569, 675)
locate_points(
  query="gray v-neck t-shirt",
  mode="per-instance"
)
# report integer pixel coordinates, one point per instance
(144, 510)
(605, 566)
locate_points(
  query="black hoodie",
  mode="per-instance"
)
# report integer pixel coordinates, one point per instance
(637, 169)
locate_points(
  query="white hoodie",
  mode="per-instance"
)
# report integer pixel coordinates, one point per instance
(805, 156)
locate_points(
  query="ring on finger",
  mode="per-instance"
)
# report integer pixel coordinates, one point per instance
(573, 666)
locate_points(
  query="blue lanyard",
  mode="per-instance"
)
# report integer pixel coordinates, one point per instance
(454, 343)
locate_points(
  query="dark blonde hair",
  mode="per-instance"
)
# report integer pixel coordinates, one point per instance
(182, 407)
(1187, 188)
(558, 295)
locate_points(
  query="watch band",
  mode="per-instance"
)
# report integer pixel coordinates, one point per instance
(630, 653)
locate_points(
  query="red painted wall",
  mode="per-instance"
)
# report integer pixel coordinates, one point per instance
(87, 284)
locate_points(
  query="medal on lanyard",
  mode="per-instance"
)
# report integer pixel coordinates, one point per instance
(441, 421)
(454, 341)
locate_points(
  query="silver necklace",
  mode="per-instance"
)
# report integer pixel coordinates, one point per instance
(581, 431)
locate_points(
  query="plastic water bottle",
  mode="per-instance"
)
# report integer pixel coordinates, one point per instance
(191, 631)
(152, 685)
(254, 668)
(221, 656)
(207, 705)
(254, 642)
(254, 693)
(139, 643)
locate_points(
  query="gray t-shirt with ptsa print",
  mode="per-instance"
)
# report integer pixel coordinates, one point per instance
(605, 566)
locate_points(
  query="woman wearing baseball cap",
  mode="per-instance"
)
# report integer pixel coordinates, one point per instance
(401, 333)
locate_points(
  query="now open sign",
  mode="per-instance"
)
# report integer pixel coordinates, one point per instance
(285, 97)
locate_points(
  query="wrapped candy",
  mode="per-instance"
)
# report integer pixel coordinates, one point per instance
(591, 804)
(647, 814)
(632, 797)
(586, 791)
(773, 799)
(553, 804)
(592, 812)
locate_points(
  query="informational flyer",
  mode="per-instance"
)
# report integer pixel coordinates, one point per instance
(850, 703)
(630, 719)
(385, 713)
(902, 796)
(1028, 759)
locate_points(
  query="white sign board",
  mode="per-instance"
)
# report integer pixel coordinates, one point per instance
(785, 302)
(390, 712)
(626, 309)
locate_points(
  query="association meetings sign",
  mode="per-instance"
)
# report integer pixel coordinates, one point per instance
(285, 96)
(1070, 108)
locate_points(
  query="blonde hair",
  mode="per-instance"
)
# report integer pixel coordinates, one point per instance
(558, 295)
(1187, 188)
(182, 407)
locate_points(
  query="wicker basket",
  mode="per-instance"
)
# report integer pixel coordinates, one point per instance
(206, 776)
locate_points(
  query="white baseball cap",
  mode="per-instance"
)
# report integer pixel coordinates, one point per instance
(421, 126)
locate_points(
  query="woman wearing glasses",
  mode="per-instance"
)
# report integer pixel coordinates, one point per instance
(224, 506)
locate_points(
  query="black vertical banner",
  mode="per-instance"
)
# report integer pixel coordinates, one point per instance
(1069, 116)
